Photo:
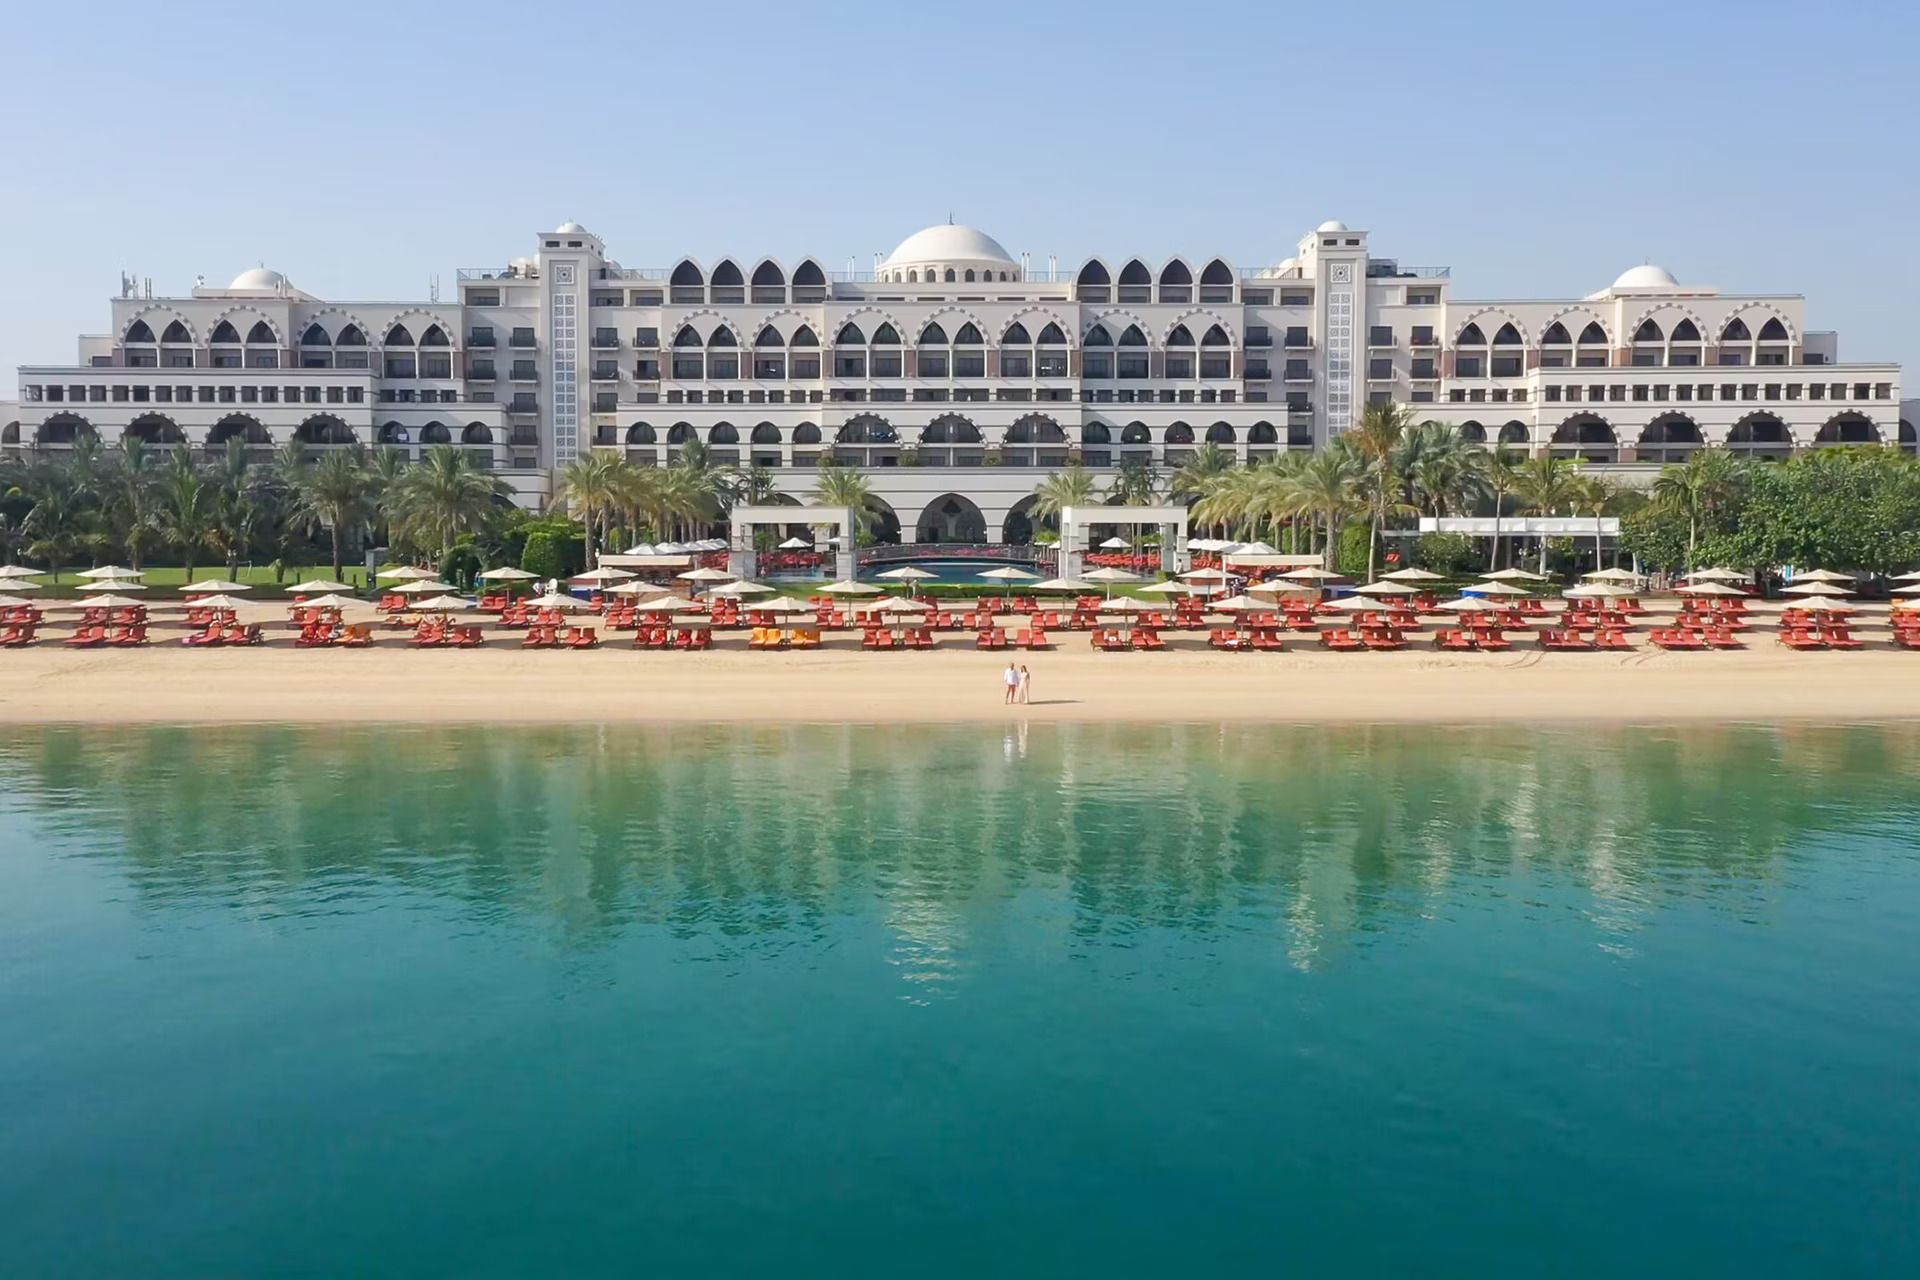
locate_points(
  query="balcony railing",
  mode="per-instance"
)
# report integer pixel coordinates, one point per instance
(521, 340)
(606, 341)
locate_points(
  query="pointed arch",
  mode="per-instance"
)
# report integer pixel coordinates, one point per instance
(238, 426)
(951, 518)
(1216, 272)
(1016, 336)
(769, 337)
(1649, 331)
(1555, 335)
(476, 433)
(1507, 335)
(224, 332)
(139, 332)
(722, 336)
(808, 275)
(933, 335)
(764, 433)
(1097, 337)
(688, 337)
(1093, 271)
(950, 428)
(687, 275)
(968, 336)
(850, 336)
(1263, 432)
(723, 432)
(1735, 330)
(351, 336)
(1136, 433)
(1135, 272)
(1215, 336)
(434, 336)
(1051, 336)
(885, 336)
(1179, 336)
(1774, 331)
(176, 332)
(806, 432)
(1685, 331)
(261, 332)
(768, 275)
(726, 273)
(1471, 432)
(1176, 271)
(1470, 336)
(1132, 337)
(804, 336)
(315, 336)
(1594, 334)
(1221, 433)
(435, 433)
(1036, 428)
(398, 336)
(642, 433)
(1179, 433)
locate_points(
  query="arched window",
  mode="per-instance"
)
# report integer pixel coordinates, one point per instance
(809, 275)
(806, 432)
(803, 337)
(238, 426)
(1217, 272)
(261, 332)
(1471, 337)
(351, 337)
(1669, 438)
(315, 336)
(950, 428)
(768, 337)
(949, 275)
(1098, 337)
(722, 337)
(1016, 336)
(138, 332)
(1135, 433)
(1593, 333)
(1215, 336)
(1513, 433)
(767, 276)
(913, 277)
(63, 428)
(1506, 336)
(1556, 336)
(968, 336)
(399, 337)
(867, 428)
(1736, 331)
(1135, 272)
(1221, 433)
(155, 429)
(722, 432)
(435, 336)
(1051, 336)
(1586, 436)
(1648, 332)
(1686, 331)
(680, 433)
(969, 275)
(476, 433)
(849, 336)
(1179, 433)
(327, 429)
(1176, 272)
(641, 433)
(1094, 272)
(1472, 432)
(1848, 428)
(766, 433)
(1096, 433)
(686, 275)
(176, 332)
(1035, 428)
(1180, 337)
(725, 273)
(886, 336)
(224, 332)
(687, 337)
(1132, 337)
(1262, 433)
(1773, 331)
(391, 433)
(1760, 435)
(435, 433)
(933, 335)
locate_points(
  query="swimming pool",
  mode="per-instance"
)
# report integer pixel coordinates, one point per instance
(951, 569)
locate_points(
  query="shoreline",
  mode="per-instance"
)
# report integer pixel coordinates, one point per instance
(278, 684)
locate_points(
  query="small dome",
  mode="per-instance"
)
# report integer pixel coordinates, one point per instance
(1281, 270)
(259, 278)
(949, 243)
(1645, 277)
(570, 229)
(1332, 224)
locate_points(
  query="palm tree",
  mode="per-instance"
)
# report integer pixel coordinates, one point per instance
(1198, 472)
(1701, 487)
(1592, 495)
(336, 494)
(445, 498)
(837, 486)
(1376, 439)
(1545, 485)
(186, 511)
(57, 524)
(1502, 467)
(130, 504)
(1327, 488)
(1070, 486)
(237, 508)
(1136, 485)
(1439, 469)
(594, 486)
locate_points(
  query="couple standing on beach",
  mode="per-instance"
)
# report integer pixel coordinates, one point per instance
(1019, 684)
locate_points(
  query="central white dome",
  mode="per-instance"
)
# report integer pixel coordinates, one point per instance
(1645, 277)
(259, 278)
(948, 243)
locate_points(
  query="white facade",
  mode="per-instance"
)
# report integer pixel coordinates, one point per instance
(957, 371)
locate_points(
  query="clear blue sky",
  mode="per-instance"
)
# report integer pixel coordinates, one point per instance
(1537, 149)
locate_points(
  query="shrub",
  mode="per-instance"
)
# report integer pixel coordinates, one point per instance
(460, 565)
(1452, 554)
(1350, 554)
(542, 557)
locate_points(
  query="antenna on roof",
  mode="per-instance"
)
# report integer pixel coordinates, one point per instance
(433, 288)
(949, 217)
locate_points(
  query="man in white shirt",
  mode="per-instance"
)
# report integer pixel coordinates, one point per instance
(1013, 682)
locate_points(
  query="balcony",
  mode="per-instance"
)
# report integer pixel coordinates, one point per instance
(480, 339)
(521, 340)
(1298, 375)
(606, 341)
(1260, 340)
(1418, 340)
(606, 373)
(1298, 342)
(481, 373)
(523, 437)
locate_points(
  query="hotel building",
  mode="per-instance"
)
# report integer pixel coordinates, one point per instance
(954, 370)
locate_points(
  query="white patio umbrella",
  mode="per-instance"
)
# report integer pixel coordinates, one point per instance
(637, 589)
(666, 604)
(1127, 604)
(1496, 589)
(1410, 575)
(1713, 575)
(1281, 587)
(1111, 575)
(893, 604)
(554, 600)
(1611, 575)
(849, 587)
(328, 602)
(441, 604)
(505, 573)
(906, 573)
(15, 602)
(1007, 573)
(780, 604)
(1514, 575)
(1466, 604)
(735, 590)
(220, 601)
(796, 544)
(1912, 575)
(20, 584)
(422, 587)
(1817, 588)
(1256, 548)
(1313, 573)
(1385, 588)
(1354, 604)
(1206, 575)
(211, 586)
(1912, 589)
(313, 585)
(1825, 604)
(110, 601)
(704, 575)
(110, 586)
(1822, 575)
(1171, 589)
(604, 574)
(1712, 588)
(1066, 584)
(406, 573)
(1587, 590)
(1115, 544)
(19, 571)
(1239, 604)
(110, 573)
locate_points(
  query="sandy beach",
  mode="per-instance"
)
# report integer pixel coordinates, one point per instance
(166, 683)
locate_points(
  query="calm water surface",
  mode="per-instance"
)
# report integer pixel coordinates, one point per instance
(1087, 1001)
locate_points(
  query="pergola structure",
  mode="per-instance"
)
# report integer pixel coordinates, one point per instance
(832, 528)
(1076, 524)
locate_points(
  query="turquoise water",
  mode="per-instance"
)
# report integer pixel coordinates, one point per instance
(953, 1002)
(949, 570)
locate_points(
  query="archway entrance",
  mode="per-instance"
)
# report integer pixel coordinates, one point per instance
(951, 518)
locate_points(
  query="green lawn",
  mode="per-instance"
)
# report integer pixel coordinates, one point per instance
(165, 578)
